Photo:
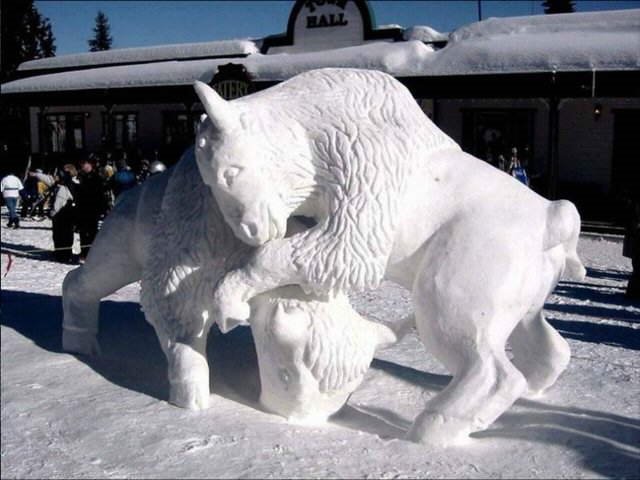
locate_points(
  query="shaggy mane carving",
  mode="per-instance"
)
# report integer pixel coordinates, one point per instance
(177, 288)
(363, 191)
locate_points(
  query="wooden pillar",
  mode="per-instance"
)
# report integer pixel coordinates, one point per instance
(41, 126)
(553, 141)
(190, 126)
(107, 142)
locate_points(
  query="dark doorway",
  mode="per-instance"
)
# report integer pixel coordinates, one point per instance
(625, 163)
(626, 150)
(494, 135)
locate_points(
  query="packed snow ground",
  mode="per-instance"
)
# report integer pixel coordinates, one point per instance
(68, 416)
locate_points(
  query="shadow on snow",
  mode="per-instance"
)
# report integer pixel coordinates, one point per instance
(607, 443)
(130, 353)
(608, 274)
(614, 335)
(132, 358)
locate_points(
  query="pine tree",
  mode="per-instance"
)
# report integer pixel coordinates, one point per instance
(102, 40)
(558, 6)
(29, 44)
(26, 35)
(47, 40)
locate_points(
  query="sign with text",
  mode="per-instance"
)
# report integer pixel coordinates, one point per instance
(317, 18)
(325, 24)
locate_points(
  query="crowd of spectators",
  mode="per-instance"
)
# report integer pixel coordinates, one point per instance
(77, 197)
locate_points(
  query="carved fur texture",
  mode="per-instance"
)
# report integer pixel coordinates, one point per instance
(315, 138)
(191, 248)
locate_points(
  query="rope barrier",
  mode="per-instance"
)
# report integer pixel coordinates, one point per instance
(35, 250)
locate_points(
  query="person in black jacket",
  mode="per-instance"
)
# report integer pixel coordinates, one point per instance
(90, 204)
(63, 213)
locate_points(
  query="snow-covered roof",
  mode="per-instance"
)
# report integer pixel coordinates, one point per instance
(224, 48)
(424, 34)
(565, 42)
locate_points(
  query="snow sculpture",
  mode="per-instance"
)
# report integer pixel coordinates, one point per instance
(312, 354)
(394, 197)
(170, 234)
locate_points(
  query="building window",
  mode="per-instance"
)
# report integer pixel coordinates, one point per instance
(493, 134)
(64, 132)
(121, 128)
(179, 127)
(178, 132)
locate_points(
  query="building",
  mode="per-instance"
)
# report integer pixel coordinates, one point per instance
(563, 90)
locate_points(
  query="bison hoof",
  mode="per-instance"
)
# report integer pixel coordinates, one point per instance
(433, 429)
(83, 342)
(190, 395)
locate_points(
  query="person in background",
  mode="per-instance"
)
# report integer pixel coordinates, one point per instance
(10, 187)
(516, 170)
(502, 162)
(123, 179)
(45, 182)
(90, 204)
(144, 172)
(29, 196)
(43, 191)
(106, 173)
(62, 213)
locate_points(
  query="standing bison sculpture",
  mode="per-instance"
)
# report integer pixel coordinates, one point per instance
(392, 197)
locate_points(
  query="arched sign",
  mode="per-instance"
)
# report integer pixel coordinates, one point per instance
(232, 81)
(325, 24)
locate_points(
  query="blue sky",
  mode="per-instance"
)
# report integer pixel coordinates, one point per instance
(143, 23)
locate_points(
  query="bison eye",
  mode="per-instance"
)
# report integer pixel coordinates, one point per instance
(230, 174)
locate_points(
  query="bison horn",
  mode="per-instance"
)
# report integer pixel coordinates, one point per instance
(221, 112)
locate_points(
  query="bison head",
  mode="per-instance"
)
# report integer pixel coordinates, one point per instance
(235, 159)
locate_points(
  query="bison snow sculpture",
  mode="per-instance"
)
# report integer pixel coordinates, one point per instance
(170, 234)
(394, 197)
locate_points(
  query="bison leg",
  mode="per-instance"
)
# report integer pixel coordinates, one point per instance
(109, 267)
(270, 268)
(188, 369)
(484, 385)
(469, 294)
(539, 351)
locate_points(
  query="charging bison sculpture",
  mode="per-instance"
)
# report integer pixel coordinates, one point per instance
(393, 197)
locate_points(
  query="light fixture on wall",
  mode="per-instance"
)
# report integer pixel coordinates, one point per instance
(597, 111)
